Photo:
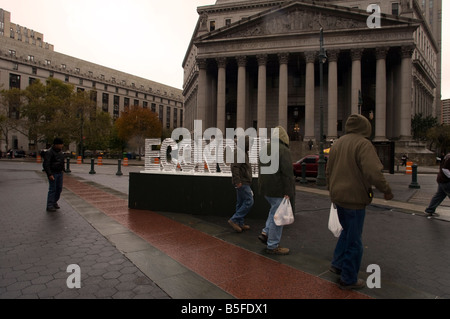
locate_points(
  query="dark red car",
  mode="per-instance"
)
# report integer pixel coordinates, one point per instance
(312, 165)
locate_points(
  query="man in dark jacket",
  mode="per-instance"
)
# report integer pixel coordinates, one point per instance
(54, 166)
(275, 187)
(241, 179)
(443, 181)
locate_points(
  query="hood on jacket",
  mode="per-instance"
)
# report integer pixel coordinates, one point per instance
(358, 124)
(282, 135)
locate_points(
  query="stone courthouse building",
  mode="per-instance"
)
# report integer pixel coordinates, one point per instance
(256, 64)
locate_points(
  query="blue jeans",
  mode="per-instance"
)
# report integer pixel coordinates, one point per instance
(349, 248)
(54, 190)
(244, 202)
(442, 192)
(273, 231)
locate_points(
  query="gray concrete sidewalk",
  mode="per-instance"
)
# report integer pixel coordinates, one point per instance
(37, 247)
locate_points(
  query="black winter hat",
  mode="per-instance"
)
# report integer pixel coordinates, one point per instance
(57, 141)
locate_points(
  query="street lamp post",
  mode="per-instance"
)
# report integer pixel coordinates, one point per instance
(321, 179)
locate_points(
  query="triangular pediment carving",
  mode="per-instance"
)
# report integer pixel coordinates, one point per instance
(296, 17)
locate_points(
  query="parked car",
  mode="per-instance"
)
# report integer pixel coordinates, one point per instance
(312, 165)
(16, 154)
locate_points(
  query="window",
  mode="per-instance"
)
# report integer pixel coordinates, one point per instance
(48, 62)
(175, 118)
(212, 25)
(31, 58)
(227, 22)
(168, 117)
(161, 111)
(105, 102)
(14, 81)
(34, 70)
(126, 102)
(154, 107)
(395, 9)
(12, 53)
(181, 118)
(116, 106)
(145, 105)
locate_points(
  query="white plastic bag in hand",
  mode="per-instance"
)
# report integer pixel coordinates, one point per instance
(284, 214)
(333, 222)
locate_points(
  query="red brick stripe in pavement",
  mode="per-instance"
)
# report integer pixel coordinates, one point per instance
(239, 272)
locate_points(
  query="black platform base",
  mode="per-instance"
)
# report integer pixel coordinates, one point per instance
(190, 194)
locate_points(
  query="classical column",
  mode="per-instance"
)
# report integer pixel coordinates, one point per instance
(356, 79)
(221, 93)
(332, 93)
(380, 95)
(202, 82)
(241, 94)
(283, 90)
(309, 96)
(262, 90)
(405, 110)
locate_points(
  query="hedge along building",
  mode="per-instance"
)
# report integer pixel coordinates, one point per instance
(255, 64)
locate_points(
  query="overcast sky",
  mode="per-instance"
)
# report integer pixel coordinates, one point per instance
(146, 38)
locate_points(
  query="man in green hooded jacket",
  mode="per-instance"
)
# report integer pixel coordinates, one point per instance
(353, 167)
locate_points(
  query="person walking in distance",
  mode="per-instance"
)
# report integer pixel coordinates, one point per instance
(353, 167)
(443, 181)
(241, 171)
(275, 187)
(54, 167)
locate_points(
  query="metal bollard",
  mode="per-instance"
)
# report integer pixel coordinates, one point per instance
(119, 169)
(303, 179)
(414, 183)
(68, 166)
(92, 167)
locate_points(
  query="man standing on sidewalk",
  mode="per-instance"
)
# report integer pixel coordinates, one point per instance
(353, 167)
(241, 171)
(54, 166)
(443, 180)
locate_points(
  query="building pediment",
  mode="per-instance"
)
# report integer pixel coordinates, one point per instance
(297, 18)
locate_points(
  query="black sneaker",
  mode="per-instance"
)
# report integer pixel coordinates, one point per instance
(51, 209)
(56, 206)
(431, 215)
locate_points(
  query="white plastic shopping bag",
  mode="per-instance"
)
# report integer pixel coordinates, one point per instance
(333, 222)
(284, 214)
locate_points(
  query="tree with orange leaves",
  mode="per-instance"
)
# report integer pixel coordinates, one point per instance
(136, 124)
